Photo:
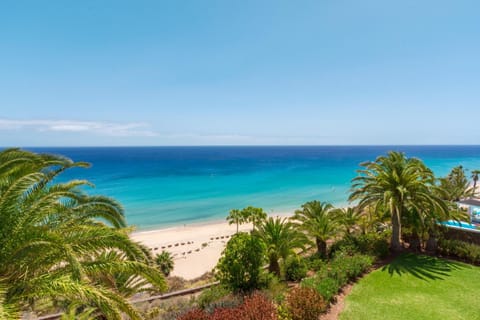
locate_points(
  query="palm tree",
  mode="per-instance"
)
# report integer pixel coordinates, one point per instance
(397, 184)
(475, 174)
(165, 262)
(60, 245)
(236, 216)
(7, 311)
(348, 218)
(254, 215)
(78, 312)
(372, 219)
(455, 185)
(281, 239)
(320, 221)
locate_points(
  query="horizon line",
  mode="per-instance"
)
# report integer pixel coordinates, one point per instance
(255, 145)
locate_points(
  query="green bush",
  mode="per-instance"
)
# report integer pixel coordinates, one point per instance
(326, 287)
(463, 250)
(283, 313)
(345, 267)
(305, 304)
(276, 289)
(314, 262)
(225, 302)
(239, 268)
(345, 245)
(375, 244)
(340, 270)
(295, 269)
(265, 279)
(211, 295)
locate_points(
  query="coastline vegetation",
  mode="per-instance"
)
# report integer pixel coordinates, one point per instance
(64, 250)
(398, 204)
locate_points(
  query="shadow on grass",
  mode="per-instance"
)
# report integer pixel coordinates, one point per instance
(421, 266)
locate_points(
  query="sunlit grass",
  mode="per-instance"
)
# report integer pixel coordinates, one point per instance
(416, 287)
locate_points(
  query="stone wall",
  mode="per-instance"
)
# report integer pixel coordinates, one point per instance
(463, 235)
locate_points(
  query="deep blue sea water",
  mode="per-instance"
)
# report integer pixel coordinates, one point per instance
(165, 186)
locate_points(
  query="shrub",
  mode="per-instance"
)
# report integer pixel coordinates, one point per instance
(171, 310)
(295, 269)
(305, 304)
(338, 272)
(254, 307)
(463, 250)
(345, 245)
(229, 301)
(176, 283)
(375, 244)
(283, 313)
(227, 314)
(194, 314)
(266, 279)
(326, 287)
(211, 295)
(276, 290)
(314, 262)
(258, 307)
(239, 266)
(343, 268)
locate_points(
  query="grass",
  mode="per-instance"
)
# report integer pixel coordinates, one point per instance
(416, 287)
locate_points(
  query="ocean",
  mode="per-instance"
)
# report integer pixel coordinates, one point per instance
(167, 186)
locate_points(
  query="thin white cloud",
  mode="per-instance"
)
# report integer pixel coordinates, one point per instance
(101, 128)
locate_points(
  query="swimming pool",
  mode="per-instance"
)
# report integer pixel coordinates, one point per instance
(460, 225)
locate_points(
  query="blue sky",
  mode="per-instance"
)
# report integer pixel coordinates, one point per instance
(239, 72)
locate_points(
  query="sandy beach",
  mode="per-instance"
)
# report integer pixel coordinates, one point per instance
(196, 248)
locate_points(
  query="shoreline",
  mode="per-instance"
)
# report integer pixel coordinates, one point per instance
(200, 224)
(195, 247)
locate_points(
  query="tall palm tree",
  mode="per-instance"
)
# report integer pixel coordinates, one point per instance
(397, 184)
(320, 221)
(455, 185)
(254, 215)
(475, 174)
(281, 239)
(60, 245)
(236, 217)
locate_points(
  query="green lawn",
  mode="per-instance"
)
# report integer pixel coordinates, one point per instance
(416, 287)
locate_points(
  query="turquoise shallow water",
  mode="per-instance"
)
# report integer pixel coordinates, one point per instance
(165, 186)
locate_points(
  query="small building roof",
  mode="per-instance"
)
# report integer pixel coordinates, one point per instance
(470, 202)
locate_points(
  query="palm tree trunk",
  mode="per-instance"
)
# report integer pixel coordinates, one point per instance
(237, 226)
(415, 243)
(274, 266)
(396, 244)
(432, 242)
(321, 247)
